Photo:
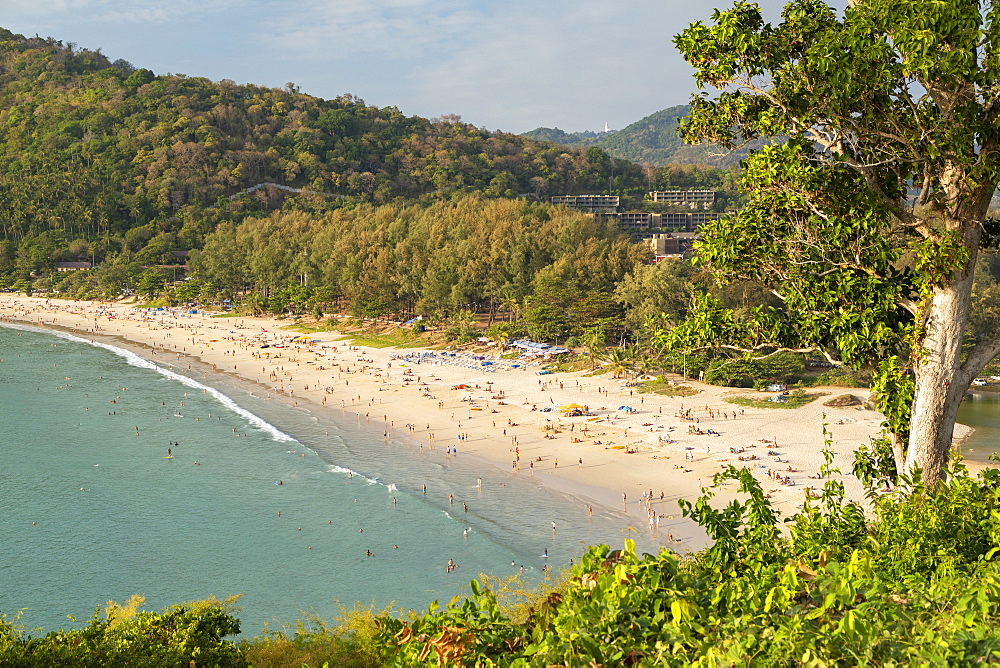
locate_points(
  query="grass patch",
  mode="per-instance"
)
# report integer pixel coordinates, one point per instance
(311, 329)
(666, 388)
(401, 339)
(569, 366)
(231, 314)
(794, 400)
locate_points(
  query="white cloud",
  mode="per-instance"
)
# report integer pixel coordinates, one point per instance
(118, 11)
(43, 7)
(572, 64)
(397, 28)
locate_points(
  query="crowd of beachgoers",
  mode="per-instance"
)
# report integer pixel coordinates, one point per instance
(589, 434)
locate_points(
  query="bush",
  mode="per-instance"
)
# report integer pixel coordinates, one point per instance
(777, 368)
(348, 642)
(843, 401)
(915, 584)
(194, 634)
(839, 377)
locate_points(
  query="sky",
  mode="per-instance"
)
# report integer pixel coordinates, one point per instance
(510, 65)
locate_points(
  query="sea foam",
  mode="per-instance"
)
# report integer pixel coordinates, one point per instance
(135, 360)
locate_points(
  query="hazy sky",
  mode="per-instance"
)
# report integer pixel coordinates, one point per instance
(504, 64)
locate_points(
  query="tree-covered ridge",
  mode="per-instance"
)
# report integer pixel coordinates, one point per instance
(90, 149)
(653, 140)
(470, 253)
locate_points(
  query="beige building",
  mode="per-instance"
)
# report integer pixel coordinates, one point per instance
(589, 203)
(694, 199)
(675, 222)
(674, 245)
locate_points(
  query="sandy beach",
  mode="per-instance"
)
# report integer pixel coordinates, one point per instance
(644, 459)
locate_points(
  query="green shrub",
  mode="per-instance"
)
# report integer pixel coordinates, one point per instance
(347, 642)
(917, 583)
(839, 377)
(777, 368)
(182, 635)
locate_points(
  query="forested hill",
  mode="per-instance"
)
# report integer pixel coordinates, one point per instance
(653, 140)
(104, 153)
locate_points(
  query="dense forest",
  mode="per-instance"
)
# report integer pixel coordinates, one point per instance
(99, 159)
(389, 259)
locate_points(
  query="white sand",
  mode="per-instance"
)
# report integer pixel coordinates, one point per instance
(375, 382)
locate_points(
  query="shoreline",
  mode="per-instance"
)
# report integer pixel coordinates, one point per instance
(418, 406)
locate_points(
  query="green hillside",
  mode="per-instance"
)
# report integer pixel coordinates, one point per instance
(100, 159)
(652, 140)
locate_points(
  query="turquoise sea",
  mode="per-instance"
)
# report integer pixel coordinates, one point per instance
(92, 510)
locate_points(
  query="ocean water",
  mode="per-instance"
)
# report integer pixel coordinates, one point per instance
(276, 503)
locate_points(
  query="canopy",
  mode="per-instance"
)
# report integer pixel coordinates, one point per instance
(572, 407)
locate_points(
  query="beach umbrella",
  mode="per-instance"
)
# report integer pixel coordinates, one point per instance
(624, 408)
(571, 407)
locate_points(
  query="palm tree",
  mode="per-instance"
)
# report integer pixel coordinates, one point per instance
(511, 305)
(646, 363)
(621, 362)
(594, 340)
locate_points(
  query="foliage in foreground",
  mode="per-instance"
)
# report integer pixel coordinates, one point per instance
(192, 634)
(916, 584)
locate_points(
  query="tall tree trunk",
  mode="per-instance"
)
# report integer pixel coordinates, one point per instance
(941, 380)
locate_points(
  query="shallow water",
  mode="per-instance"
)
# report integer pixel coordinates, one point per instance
(94, 511)
(981, 410)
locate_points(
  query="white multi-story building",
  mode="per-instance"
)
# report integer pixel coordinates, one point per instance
(589, 203)
(692, 198)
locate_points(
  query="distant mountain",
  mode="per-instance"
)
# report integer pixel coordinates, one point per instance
(653, 140)
(576, 139)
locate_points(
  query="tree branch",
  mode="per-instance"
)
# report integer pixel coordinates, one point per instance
(981, 354)
(777, 349)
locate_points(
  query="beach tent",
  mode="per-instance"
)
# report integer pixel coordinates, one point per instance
(571, 407)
